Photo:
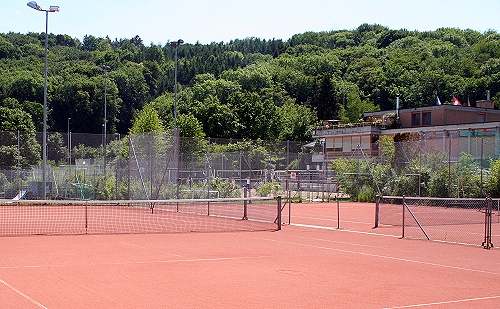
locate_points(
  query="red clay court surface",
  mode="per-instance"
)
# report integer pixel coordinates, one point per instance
(298, 267)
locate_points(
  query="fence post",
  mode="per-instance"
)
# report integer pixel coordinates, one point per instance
(245, 204)
(377, 209)
(338, 211)
(289, 208)
(278, 222)
(129, 167)
(404, 213)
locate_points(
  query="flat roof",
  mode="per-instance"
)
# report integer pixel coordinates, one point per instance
(435, 107)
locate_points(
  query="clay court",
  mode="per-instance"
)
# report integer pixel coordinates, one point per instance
(309, 264)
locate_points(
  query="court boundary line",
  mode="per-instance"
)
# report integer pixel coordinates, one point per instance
(444, 302)
(23, 295)
(215, 259)
(329, 228)
(388, 257)
(340, 242)
(332, 219)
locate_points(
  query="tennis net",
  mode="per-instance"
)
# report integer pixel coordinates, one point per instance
(456, 220)
(19, 218)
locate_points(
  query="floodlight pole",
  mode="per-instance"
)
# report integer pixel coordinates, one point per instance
(44, 139)
(52, 9)
(176, 45)
(105, 118)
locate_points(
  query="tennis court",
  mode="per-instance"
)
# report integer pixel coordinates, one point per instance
(297, 267)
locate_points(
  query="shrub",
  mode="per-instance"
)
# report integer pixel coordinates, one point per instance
(225, 187)
(493, 182)
(268, 188)
(366, 194)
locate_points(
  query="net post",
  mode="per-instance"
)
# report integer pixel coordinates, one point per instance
(403, 222)
(338, 211)
(289, 207)
(278, 221)
(288, 199)
(177, 194)
(377, 210)
(245, 203)
(487, 244)
(86, 218)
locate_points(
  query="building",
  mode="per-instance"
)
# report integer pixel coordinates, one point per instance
(451, 129)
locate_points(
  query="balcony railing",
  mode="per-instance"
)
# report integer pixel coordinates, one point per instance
(355, 128)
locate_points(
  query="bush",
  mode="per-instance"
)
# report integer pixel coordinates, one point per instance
(493, 182)
(366, 194)
(268, 188)
(225, 187)
(439, 183)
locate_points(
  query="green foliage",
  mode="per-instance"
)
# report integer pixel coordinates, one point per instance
(250, 88)
(296, 122)
(468, 176)
(493, 184)
(147, 121)
(269, 188)
(19, 147)
(366, 194)
(225, 188)
(387, 148)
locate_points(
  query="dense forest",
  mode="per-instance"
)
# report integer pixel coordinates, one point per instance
(249, 88)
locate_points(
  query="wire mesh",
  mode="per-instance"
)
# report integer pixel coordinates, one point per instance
(441, 219)
(146, 216)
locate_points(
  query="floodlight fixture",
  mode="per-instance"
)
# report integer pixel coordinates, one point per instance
(34, 5)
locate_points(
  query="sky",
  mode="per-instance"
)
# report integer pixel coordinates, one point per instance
(157, 21)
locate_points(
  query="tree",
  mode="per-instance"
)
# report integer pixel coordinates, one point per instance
(297, 122)
(147, 121)
(18, 147)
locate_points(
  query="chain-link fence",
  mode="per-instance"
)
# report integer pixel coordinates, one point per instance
(149, 166)
(458, 164)
(465, 221)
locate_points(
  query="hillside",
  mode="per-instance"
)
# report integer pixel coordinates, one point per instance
(249, 88)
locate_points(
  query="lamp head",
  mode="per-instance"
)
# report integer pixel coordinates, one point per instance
(34, 5)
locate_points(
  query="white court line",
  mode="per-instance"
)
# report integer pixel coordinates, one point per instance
(31, 300)
(133, 245)
(386, 257)
(329, 228)
(142, 262)
(445, 302)
(340, 242)
(331, 219)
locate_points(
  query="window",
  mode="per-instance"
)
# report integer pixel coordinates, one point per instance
(426, 118)
(356, 141)
(365, 142)
(329, 143)
(346, 143)
(415, 119)
(337, 144)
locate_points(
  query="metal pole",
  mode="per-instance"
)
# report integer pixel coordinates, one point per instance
(338, 212)
(481, 164)
(44, 138)
(69, 144)
(449, 163)
(377, 210)
(245, 203)
(175, 86)
(403, 222)
(105, 125)
(278, 222)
